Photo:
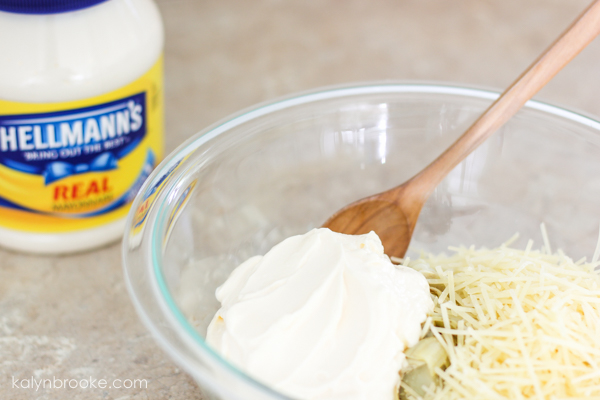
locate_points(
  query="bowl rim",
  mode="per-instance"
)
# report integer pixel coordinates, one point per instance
(160, 289)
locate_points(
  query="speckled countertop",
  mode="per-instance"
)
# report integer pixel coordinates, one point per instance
(70, 317)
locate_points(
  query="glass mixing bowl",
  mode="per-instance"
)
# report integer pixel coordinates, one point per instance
(237, 188)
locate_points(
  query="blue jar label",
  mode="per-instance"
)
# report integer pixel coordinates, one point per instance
(60, 144)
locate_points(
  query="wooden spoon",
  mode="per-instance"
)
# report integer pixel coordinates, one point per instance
(394, 213)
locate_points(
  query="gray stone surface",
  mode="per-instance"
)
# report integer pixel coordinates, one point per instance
(70, 317)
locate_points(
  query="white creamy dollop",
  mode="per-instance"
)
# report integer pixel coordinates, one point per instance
(322, 316)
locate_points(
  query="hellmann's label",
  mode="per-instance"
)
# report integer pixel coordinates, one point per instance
(78, 165)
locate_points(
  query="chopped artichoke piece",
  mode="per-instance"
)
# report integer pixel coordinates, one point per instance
(423, 359)
(430, 351)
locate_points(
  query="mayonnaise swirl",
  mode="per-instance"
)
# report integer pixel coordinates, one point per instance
(322, 316)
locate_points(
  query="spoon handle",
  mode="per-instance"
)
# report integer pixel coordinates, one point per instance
(581, 32)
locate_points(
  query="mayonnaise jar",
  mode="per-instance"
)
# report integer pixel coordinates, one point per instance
(81, 118)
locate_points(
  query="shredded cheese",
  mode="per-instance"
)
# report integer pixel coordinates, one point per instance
(517, 324)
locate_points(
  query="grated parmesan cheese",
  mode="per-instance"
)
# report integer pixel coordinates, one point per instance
(516, 324)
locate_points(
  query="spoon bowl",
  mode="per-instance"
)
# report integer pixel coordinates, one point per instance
(383, 213)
